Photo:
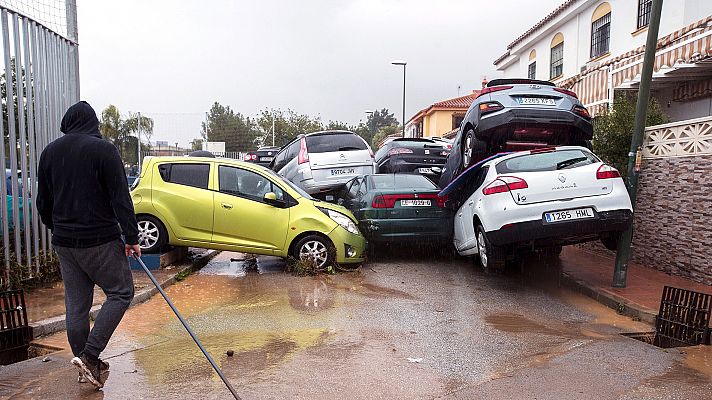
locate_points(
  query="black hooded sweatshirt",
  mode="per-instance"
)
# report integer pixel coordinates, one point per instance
(82, 193)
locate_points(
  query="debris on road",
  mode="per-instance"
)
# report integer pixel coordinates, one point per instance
(415, 360)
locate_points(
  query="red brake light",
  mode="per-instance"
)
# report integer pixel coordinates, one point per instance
(303, 154)
(490, 107)
(399, 150)
(607, 172)
(542, 150)
(505, 184)
(493, 89)
(566, 92)
(582, 111)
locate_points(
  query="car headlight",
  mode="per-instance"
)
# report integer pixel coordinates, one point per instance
(341, 219)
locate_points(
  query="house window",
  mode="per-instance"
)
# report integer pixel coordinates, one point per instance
(557, 60)
(457, 120)
(600, 35)
(644, 7)
(531, 74)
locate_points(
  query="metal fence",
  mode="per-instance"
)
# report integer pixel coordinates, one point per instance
(39, 82)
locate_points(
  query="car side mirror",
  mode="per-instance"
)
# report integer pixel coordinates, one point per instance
(271, 199)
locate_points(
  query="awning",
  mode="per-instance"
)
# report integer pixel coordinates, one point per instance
(681, 55)
(690, 90)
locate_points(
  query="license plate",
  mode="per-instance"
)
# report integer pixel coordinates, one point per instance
(425, 170)
(536, 101)
(266, 158)
(342, 171)
(415, 203)
(568, 215)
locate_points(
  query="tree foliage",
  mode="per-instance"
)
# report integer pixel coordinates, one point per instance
(383, 133)
(613, 131)
(123, 133)
(225, 125)
(196, 144)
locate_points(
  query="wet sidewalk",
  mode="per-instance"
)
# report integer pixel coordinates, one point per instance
(45, 305)
(592, 273)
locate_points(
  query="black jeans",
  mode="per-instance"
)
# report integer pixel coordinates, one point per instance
(106, 266)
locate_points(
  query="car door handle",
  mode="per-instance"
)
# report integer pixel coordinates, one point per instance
(226, 205)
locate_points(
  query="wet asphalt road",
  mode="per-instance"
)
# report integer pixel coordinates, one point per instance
(420, 326)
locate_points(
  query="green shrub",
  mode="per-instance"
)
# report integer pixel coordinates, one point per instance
(613, 131)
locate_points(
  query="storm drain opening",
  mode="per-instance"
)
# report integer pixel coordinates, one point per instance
(15, 331)
(683, 320)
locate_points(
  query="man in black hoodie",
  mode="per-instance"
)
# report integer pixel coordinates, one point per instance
(83, 198)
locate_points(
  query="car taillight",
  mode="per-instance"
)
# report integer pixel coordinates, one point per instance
(582, 111)
(490, 107)
(399, 150)
(493, 89)
(542, 150)
(505, 184)
(566, 92)
(303, 154)
(389, 200)
(370, 152)
(607, 172)
(251, 157)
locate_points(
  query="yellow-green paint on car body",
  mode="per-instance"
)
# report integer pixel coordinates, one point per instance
(219, 213)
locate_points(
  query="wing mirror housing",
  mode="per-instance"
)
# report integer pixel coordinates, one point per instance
(271, 199)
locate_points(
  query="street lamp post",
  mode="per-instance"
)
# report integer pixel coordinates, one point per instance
(403, 63)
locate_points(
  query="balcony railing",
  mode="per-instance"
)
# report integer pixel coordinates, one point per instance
(692, 137)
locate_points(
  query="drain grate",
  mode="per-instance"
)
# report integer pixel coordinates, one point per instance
(15, 332)
(683, 320)
(684, 316)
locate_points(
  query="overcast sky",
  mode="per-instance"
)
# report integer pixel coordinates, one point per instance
(173, 59)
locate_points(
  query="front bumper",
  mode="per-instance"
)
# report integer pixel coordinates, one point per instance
(567, 232)
(342, 240)
(560, 120)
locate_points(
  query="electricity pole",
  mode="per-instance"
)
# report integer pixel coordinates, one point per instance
(635, 154)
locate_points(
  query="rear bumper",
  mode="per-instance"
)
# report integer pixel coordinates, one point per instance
(503, 122)
(567, 232)
(407, 229)
(403, 166)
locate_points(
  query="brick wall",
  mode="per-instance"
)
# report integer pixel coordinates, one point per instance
(673, 219)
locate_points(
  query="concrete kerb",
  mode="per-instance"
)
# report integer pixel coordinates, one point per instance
(57, 324)
(611, 300)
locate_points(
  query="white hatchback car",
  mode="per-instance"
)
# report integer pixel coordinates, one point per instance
(542, 198)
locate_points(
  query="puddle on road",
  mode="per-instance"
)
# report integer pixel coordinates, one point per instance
(515, 323)
(238, 266)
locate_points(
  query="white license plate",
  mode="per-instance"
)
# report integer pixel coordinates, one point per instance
(415, 203)
(266, 158)
(425, 170)
(536, 101)
(342, 171)
(568, 215)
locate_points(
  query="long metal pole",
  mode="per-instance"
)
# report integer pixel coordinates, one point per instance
(403, 133)
(620, 274)
(138, 140)
(187, 328)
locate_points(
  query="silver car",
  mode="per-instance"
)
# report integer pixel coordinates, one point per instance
(322, 162)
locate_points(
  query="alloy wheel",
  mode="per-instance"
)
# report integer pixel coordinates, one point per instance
(467, 151)
(316, 251)
(148, 234)
(482, 249)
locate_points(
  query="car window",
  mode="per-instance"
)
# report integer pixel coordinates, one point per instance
(549, 161)
(243, 183)
(401, 181)
(187, 174)
(334, 142)
(355, 185)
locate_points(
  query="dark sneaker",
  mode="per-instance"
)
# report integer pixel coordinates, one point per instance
(89, 371)
(103, 366)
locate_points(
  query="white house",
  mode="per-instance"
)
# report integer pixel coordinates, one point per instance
(596, 47)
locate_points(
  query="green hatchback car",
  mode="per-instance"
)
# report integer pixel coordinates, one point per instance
(398, 207)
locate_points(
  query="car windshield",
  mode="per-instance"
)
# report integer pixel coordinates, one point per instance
(401, 181)
(549, 161)
(324, 143)
(287, 182)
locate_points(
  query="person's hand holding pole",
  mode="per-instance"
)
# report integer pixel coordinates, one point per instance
(132, 249)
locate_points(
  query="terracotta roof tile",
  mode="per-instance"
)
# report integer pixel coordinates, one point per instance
(458, 102)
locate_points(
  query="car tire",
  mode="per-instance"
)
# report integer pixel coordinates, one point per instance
(317, 248)
(152, 235)
(473, 150)
(490, 257)
(610, 240)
